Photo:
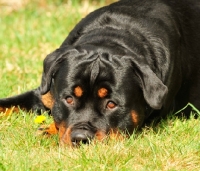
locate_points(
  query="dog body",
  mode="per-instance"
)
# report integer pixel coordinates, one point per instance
(120, 67)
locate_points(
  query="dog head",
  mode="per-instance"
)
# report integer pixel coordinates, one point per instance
(98, 93)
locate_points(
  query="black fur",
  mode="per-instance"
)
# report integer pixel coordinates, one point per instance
(145, 53)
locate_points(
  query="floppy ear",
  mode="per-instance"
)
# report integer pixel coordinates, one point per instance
(154, 90)
(51, 65)
(39, 99)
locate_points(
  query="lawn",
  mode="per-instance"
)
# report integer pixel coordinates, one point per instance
(27, 34)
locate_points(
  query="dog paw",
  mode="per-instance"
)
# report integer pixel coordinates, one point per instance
(47, 130)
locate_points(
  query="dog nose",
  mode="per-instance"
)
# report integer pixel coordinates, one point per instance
(81, 136)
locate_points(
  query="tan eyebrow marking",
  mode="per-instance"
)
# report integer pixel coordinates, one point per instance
(78, 91)
(102, 92)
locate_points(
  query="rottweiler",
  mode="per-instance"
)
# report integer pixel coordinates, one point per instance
(123, 65)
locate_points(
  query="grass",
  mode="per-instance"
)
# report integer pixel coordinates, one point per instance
(27, 35)
(173, 145)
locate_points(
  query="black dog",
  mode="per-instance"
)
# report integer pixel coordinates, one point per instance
(121, 66)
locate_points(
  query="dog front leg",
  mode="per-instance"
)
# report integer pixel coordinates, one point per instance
(29, 101)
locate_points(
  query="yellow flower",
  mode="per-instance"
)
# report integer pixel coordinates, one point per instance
(40, 119)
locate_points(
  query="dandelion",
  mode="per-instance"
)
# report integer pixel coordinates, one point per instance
(40, 119)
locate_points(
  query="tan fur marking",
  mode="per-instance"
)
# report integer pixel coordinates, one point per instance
(47, 100)
(100, 135)
(135, 118)
(9, 111)
(52, 129)
(65, 135)
(78, 91)
(60, 129)
(102, 92)
(47, 130)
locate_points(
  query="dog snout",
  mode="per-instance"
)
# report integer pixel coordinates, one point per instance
(81, 136)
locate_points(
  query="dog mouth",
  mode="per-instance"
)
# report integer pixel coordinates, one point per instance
(85, 133)
(80, 133)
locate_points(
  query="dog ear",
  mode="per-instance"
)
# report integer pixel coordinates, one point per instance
(154, 90)
(51, 65)
(38, 99)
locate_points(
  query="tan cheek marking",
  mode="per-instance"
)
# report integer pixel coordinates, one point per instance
(65, 135)
(102, 92)
(47, 100)
(100, 135)
(135, 118)
(78, 91)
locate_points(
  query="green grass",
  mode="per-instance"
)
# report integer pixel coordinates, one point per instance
(27, 35)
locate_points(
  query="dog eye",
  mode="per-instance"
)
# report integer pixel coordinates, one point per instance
(69, 100)
(111, 105)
